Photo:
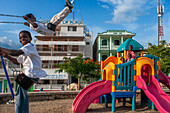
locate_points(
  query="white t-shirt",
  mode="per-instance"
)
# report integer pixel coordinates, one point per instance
(32, 64)
(42, 29)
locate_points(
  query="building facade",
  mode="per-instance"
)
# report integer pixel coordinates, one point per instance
(71, 40)
(107, 43)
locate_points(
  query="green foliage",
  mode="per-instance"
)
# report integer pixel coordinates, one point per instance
(78, 67)
(163, 52)
(92, 72)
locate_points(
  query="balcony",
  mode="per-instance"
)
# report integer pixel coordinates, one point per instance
(54, 58)
(60, 42)
(113, 47)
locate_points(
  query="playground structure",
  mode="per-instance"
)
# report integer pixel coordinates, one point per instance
(122, 80)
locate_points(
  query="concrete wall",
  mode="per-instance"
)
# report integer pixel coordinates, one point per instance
(42, 96)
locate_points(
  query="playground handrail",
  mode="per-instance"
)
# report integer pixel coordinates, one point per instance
(125, 78)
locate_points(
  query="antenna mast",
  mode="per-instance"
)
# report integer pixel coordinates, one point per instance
(73, 10)
(160, 10)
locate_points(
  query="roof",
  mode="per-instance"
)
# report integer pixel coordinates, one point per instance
(117, 32)
(127, 43)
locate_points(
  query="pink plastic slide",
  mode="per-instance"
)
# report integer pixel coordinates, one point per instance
(164, 79)
(89, 94)
(154, 92)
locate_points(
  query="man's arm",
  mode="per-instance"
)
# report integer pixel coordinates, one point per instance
(30, 21)
(14, 60)
(11, 51)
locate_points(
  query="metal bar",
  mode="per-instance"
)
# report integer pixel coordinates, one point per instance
(128, 75)
(7, 77)
(124, 75)
(12, 22)
(121, 76)
(11, 15)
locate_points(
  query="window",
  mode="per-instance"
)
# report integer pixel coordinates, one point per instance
(75, 48)
(65, 48)
(46, 82)
(104, 42)
(104, 57)
(60, 82)
(46, 48)
(116, 42)
(60, 47)
(45, 64)
(72, 28)
(55, 47)
(87, 43)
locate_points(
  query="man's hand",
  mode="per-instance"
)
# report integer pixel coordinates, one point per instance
(27, 24)
(14, 60)
(25, 17)
(3, 54)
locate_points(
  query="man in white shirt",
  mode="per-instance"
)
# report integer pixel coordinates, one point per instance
(32, 67)
(51, 27)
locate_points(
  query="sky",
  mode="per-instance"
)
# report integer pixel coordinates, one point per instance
(136, 16)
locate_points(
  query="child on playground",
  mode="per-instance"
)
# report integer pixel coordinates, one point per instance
(51, 27)
(32, 67)
(130, 54)
(122, 59)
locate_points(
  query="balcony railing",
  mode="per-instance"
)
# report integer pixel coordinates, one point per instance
(115, 47)
(50, 86)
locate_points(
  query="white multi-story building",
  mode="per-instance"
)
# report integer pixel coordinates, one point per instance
(71, 40)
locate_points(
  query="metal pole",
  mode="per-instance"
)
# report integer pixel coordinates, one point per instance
(109, 47)
(73, 10)
(158, 21)
(7, 77)
(69, 81)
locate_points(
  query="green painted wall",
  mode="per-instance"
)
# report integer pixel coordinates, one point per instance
(5, 86)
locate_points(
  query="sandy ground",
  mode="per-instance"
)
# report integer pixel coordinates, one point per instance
(64, 106)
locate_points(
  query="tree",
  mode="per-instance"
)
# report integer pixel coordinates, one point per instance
(163, 52)
(80, 68)
(92, 72)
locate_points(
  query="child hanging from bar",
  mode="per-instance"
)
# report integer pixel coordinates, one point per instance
(32, 69)
(50, 28)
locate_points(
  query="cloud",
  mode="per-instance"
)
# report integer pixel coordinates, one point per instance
(147, 39)
(130, 26)
(15, 32)
(105, 6)
(128, 10)
(150, 28)
(7, 43)
(154, 29)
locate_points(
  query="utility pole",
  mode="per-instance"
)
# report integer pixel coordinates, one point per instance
(73, 10)
(160, 11)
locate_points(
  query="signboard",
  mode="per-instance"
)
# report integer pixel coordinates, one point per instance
(55, 77)
(72, 22)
